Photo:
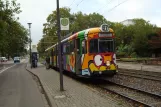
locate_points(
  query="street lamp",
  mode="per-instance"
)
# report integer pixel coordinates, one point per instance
(30, 39)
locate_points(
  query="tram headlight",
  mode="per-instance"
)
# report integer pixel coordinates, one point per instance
(108, 63)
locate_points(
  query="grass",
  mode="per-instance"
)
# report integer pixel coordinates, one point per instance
(134, 59)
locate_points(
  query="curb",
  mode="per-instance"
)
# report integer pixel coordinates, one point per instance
(45, 93)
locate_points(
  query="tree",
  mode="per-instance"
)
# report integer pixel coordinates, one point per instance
(13, 36)
(142, 29)
(135, 36)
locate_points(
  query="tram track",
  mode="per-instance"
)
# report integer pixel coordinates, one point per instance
(156, 76)
(144, 81)
(142, 97)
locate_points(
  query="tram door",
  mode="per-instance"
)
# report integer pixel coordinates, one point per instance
(78, 57)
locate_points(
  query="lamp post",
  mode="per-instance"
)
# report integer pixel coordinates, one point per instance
(59, 48)
(30, 39)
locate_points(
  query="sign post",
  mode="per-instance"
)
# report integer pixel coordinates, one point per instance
(59, 48)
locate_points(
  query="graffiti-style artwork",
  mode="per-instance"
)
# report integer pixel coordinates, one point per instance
(101, 63)
(91, 51)
(68, 63)
(72, 63)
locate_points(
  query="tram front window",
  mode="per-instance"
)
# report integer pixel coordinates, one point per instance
(101, 45)
(106, 45)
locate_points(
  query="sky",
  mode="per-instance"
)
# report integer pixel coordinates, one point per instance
(36, 11)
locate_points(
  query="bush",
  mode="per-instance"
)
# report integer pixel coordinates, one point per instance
(134, 55)
(120, 54)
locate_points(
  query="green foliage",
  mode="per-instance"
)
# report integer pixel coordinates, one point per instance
(134, 55)
(135, 36)
(13, 36)
(124, 50)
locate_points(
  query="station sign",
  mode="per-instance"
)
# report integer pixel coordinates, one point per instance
(64, 23)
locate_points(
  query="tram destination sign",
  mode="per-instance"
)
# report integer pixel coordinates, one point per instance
(105, 34)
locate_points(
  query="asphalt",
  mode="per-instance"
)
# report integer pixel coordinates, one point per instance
(6, 64)
(18, 89)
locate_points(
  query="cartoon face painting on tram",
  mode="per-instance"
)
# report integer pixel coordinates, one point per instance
(90, 52)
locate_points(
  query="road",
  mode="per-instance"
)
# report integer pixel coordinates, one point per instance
(5, 64)
(18, 89)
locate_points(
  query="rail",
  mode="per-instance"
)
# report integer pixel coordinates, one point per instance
(145, 99)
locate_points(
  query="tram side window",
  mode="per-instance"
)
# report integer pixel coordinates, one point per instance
(93, 46)
(51, 52)
(72, 46)
(57, 50)
(54, 52)
(84, 47)
(68, 48)
(78, 45)
(64, 48)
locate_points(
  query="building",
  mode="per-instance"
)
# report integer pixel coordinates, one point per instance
(127, 22)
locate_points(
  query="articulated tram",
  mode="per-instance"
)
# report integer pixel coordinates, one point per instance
(90, 52)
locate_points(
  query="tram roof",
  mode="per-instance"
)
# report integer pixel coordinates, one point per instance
(51, 47)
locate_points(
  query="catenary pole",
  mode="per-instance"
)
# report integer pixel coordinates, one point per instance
(59, 48)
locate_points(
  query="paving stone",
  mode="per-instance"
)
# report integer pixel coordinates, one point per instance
(75, 95)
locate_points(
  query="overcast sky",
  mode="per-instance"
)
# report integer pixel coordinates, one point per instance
(36, 11)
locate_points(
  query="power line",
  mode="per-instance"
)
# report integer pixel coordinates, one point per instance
(104, 6)
(71, 3)
(79, 3)
(116, 6)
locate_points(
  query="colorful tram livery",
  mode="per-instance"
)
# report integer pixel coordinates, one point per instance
(90, 52)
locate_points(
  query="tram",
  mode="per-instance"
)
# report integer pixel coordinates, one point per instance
(89, 52)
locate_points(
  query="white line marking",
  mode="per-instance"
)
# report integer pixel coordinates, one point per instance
(6, 68)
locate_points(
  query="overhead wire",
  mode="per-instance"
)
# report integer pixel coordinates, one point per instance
(104, 6)
(79, 3)
(115, 6)
(71, 3)
(101, 7)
